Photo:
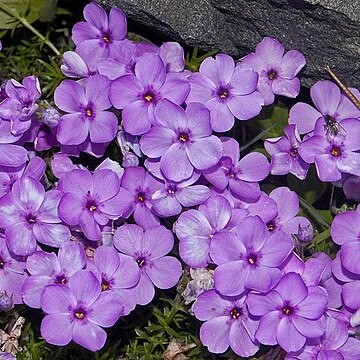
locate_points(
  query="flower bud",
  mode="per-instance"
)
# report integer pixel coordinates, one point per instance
(6, 302)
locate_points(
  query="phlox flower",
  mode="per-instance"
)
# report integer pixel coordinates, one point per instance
(28, 214)
(197, 229)
(334, 155)
(100, 36)
(137, 94)
(227, 323)
(147, 249)
(277, 70)
(228, 91)
(250, 259)
(20, 105)
(12, 272)
(80, 310)
(242, 175)
(334, 344)
(290, 313)
(284, 154)
(91, 200)
(86, 115)
(330, 105)
(183, 139)
(116, 272)
(48, 268)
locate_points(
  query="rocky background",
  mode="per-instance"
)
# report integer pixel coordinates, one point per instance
(326, 31)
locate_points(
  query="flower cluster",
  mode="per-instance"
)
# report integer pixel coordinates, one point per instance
(91, 244)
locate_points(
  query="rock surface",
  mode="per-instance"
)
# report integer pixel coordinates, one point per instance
(326, 31)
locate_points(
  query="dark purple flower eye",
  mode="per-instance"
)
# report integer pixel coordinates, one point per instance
(141, 262)
(287, 310)
(235, 313)
(183, 137)
(335, 151)
(272, 74)
(223, 93)
(2, 263)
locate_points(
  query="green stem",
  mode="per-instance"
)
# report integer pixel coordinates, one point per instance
(30, 27)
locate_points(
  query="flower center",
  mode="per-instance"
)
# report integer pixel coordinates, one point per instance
(104, 285)
(140, 262)
(287, 310)
(149, 97)
(92, 208)
(2, 263)
(235, 313)
(271, 226)
(106, 38)
(141, 197)
(31, 219)
(272, 74)
(60, 280)
(80, 314)
(88, 112)
(223, 93)
(183, 137)
(335, 151)
(171, 189)
(252, 259)
(293, 152)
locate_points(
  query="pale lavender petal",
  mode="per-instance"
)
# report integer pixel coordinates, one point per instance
(50, 329)
(51, 234)
(198, 120)
(304, 117)
(156, 141)
(287, 202)
(286, 87)
(135, 118)
(170, 115)
(12, 155)
(70, 209)
(127, 274)
(201, 88)
(157, 241)
(271, 51)
(193, 195)
(292, 62)
(260, 304)
(85, 287)
(128, 239)
(103, 127)
(326, 96)
(230, 278)
(124, 91)
(327, 169)
(144, 217)
(42, 263)
(144, 290)
(56, 299)
(345, 227)
(312, 147)
(247, 106)
(150, 70)
(89, 335)
(72, 130)
(266, 332)
(175, 88)
(33, 288)
(218, 69)
(192, 223)
(217, 211)
(28, 193)
(215, 334)
(309, 328)
(20, 239)
(288, 337)
(194, 250)
(244, 81)
(247, 346)
(67, 102)
(72, 258)
(253, 167)
(167, 264)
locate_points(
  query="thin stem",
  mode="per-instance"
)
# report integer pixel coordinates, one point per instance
(30, 27)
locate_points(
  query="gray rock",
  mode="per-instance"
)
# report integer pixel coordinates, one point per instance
(326, 31)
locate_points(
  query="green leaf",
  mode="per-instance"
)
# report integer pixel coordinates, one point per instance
(313, 212)
(32, 10)
(311, 189)
(272, 117)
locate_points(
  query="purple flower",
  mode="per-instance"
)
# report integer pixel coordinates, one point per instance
(334, 155)
(227, 90)
(80, 310)
(227, 323)
(21, 104)
(47, 268)
(346, 227)
(330, 105)
(86, 111)
(277, 71)
(351, 187)
(168, 201)
(12, 274)
(183, 140)
(249, 260)
(243, 175)
(137, 95)
(101, 35)
(147, 249)
(138, 187)
(91, 200)
(290, 313)
(8, 176)
(287, 208)
(75, 66)
(197, 229)
(284, 154)
(28, 214)
(116, 272)
(334, 344)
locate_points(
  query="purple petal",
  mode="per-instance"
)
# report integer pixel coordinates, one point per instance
(194, 250)
(292, 62)
(167, 264)
(78, 181)
(51, 234)
(97, 92)
(72, 258)
(106, 310)
(85, 287)
(150, 70)
(247, 346)
(201, 88)
(327, 169)
(144, 217)
(144, 290)
(68, 134)
(193, 195)
(90, 226)
(157, 241)
(175, 163)
(309, 328)
(245, 107)
(247, 191)
(41, 263)
(103, 127)
(304, 117)
(244, 81)
(172, 54)
(291, 287)
(20, 239)
(165, 205)
(29, 193)
(286, 87)
(230, 278)
(205, 152)
(69, 96)
(89, 335)
(124, 91)
(314, 305)
(127, 274)
(117, 23)
(260, 304)
(287, 203)
(175, 88)
(266, 332)
(261, 278)
(222, 118)
(350, 294)
(288, 337)
(349, 256)
(135, 118)
(326, 96)
(345, 227)
(215, 334)
(198, 120)
(95, 15)
(352, 127)
(70, 209)
(192, 222)
(57, 299)
(217, 211)
(350, 163)
(156, 141)
(170, 115)
(12, 155)
(218, 69)
(106, 184)
(50, 329)
(271, 51)
(253, 167)
(10, 212)
(128, 239)
(32, 290)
